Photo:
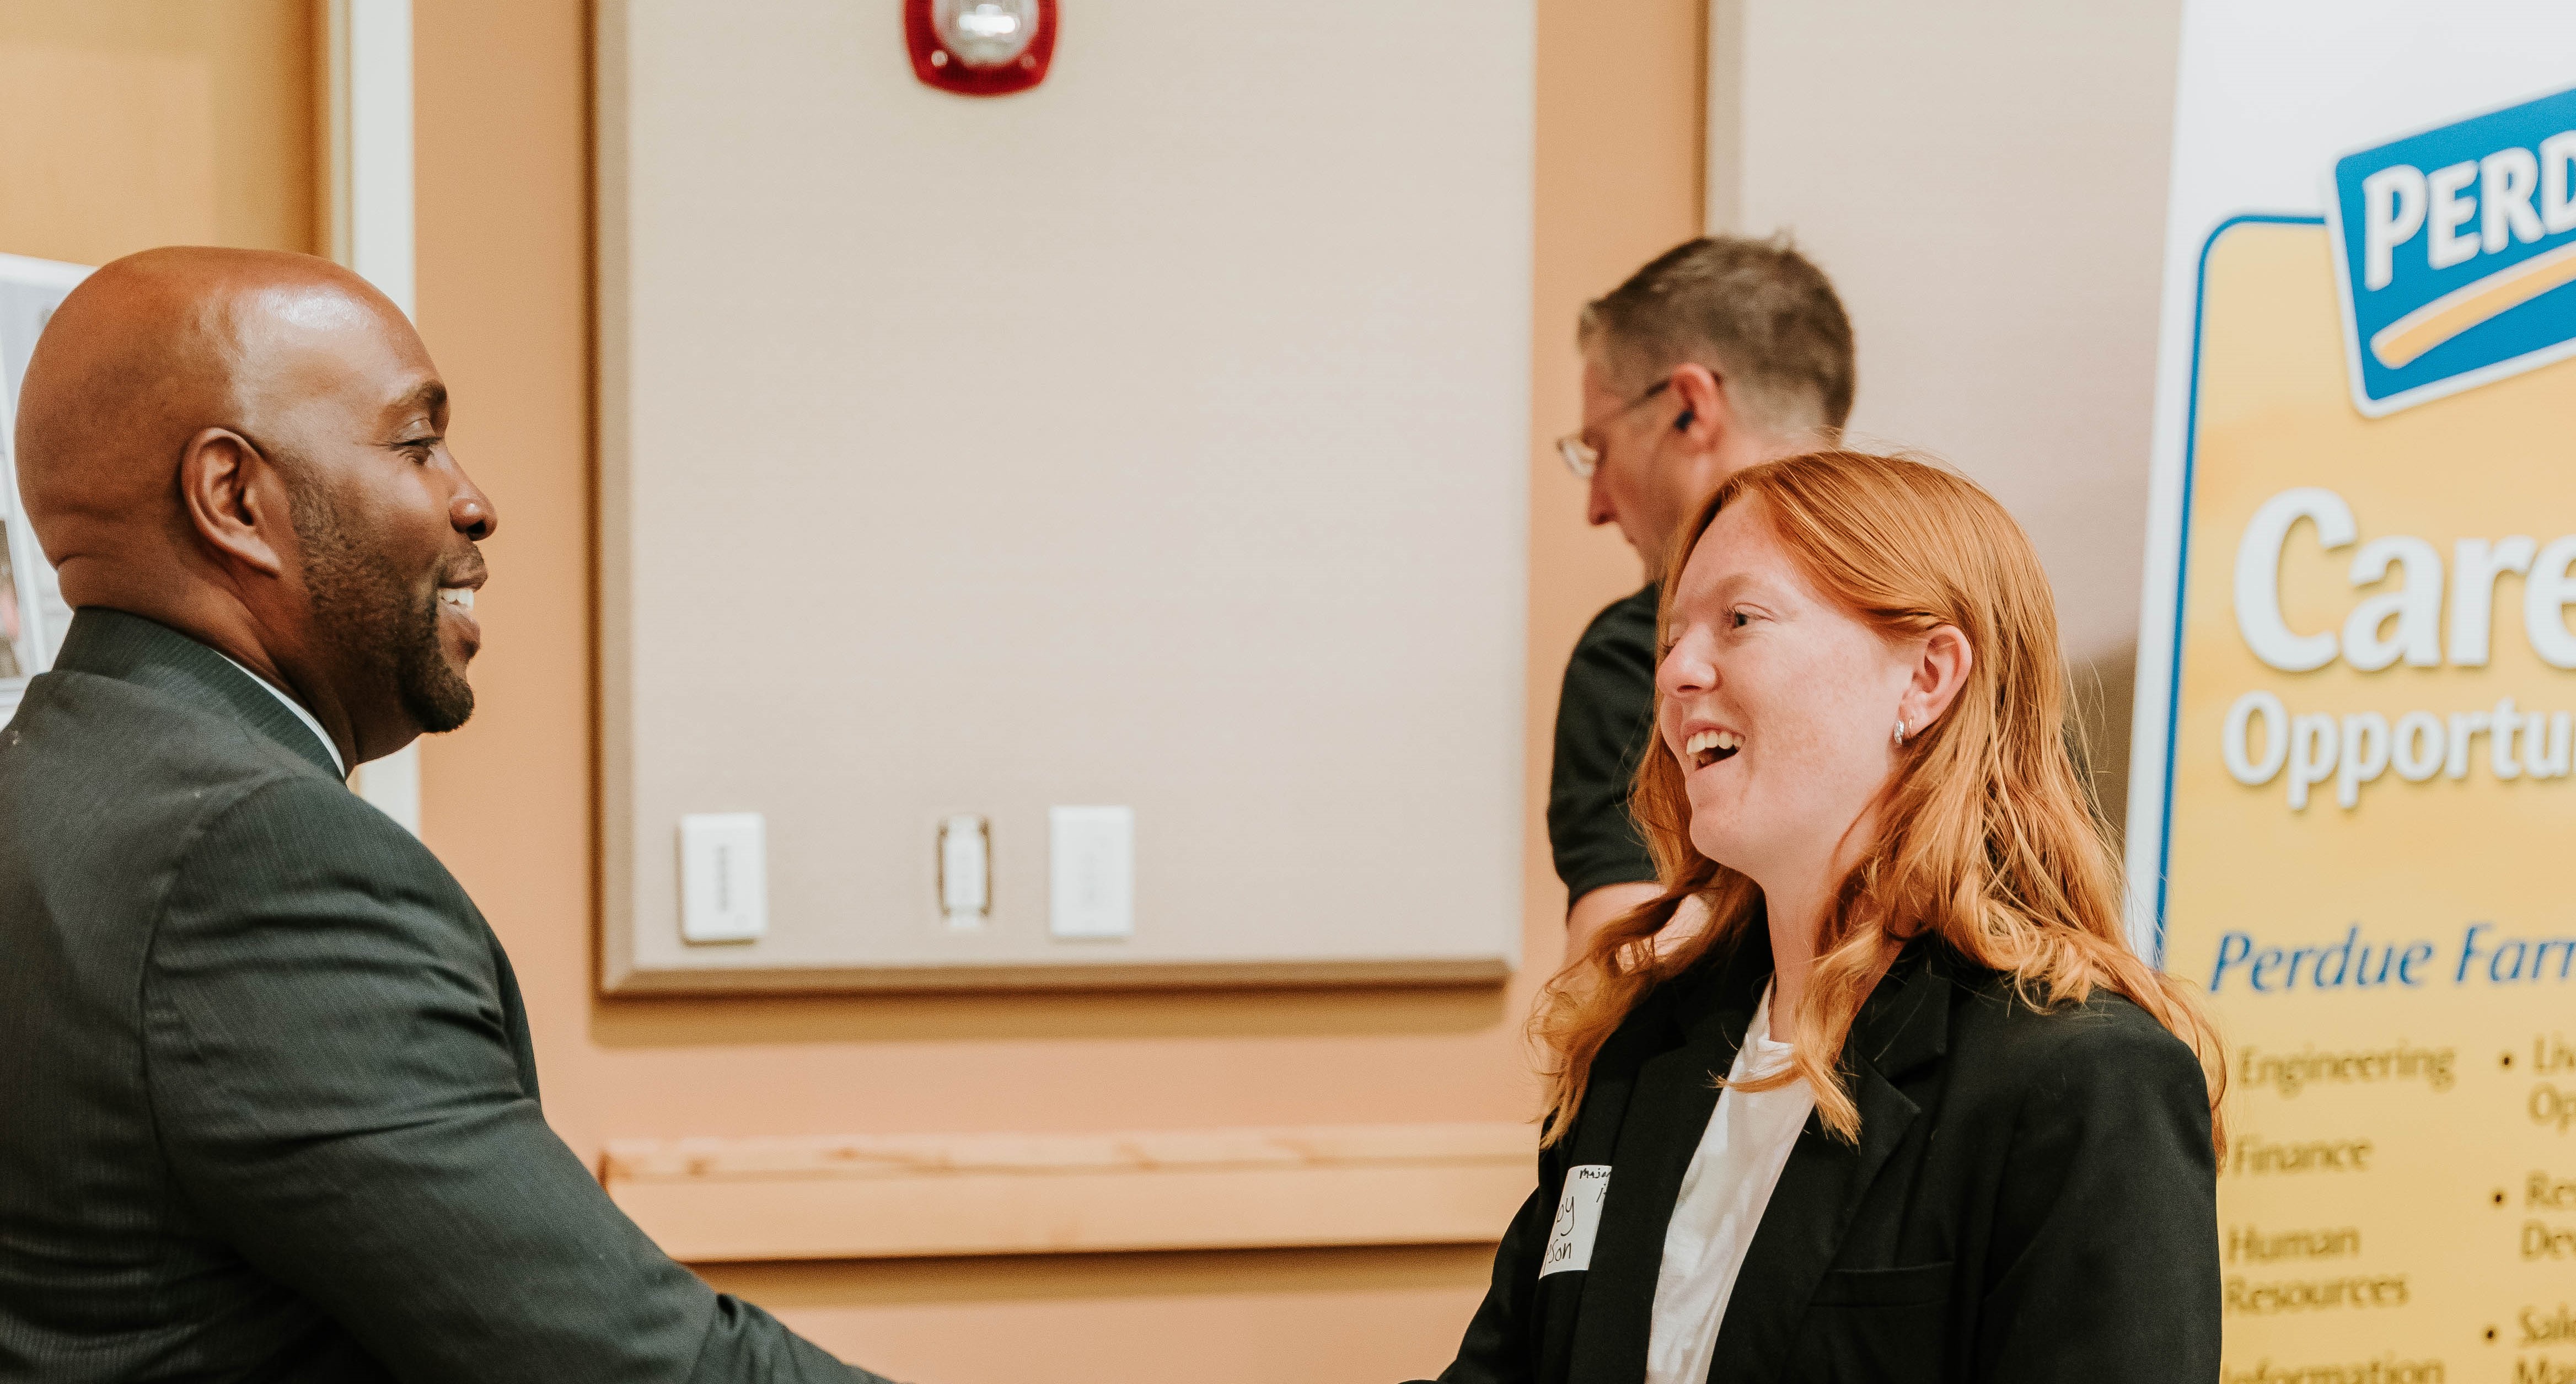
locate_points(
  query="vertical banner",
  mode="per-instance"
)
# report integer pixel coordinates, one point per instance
(2353, 801)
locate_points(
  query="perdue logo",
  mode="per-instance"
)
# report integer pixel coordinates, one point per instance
(2455, 248)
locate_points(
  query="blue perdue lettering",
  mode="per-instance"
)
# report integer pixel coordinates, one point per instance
(2456, 252)
(2349, 962)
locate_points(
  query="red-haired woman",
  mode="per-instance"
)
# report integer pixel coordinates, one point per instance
(1907, 1107)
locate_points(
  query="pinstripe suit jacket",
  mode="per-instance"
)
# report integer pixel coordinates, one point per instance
(268, 1109)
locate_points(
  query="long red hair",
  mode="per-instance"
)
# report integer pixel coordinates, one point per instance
(1989, 841)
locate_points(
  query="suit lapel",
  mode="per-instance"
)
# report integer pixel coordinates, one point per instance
(1903, 1025)
(1667, 1111)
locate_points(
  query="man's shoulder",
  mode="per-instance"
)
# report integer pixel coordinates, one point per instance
(131, 731)
(300, 891)
(285, 833)
(93, 763)
(1626, 624)
(1616, 654)
(101, 778)
(306, 805)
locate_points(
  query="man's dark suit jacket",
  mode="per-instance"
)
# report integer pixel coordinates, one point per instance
(2033, 1198)
(267, 1105)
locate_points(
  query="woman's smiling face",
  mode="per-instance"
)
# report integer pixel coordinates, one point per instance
(1779, 705)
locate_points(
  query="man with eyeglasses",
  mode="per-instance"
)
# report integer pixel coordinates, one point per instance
(1722, 353)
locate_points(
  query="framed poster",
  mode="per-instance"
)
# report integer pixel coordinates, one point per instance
(32, 614)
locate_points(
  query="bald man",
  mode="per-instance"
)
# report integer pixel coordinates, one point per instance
(268, 1109)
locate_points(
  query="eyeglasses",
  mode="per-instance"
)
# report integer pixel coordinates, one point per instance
(1581, 457)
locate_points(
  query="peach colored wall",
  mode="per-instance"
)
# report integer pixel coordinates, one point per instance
(2026, 357)
(155, 122)
(508, 802)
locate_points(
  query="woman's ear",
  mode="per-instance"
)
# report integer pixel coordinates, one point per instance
(1940, 670)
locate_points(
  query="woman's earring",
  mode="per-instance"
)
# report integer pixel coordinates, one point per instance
(1900, 731)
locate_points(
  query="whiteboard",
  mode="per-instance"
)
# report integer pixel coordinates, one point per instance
(1154, 439)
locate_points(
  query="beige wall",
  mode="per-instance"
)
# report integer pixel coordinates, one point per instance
(508, 801)
(155, 122)
(1986, 184)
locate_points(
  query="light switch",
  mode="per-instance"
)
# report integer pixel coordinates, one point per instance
(1092, 860)
(724, 877)
(965, 870)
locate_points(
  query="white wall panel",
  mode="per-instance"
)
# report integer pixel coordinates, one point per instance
(1986, 183)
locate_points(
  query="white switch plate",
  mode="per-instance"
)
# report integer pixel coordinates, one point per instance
(965, 870)
(1092, 865)
(724, 877)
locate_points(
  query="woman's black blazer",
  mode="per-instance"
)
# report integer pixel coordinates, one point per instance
(2033, 1197)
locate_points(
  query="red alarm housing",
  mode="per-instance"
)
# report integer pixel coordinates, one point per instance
(980, 47)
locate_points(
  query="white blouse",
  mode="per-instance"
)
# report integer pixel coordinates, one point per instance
(1723, 1195)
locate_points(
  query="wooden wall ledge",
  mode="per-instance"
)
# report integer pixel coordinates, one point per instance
(890, 1196)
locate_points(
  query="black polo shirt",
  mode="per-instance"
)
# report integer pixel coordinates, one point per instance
(1604, 721)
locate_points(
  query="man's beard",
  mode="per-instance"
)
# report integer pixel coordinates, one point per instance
(364, 612)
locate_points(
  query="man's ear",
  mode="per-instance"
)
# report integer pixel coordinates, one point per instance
(1940, 670)
(235, 499)
(1704, 417)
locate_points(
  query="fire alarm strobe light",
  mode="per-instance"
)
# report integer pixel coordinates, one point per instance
(980, 47)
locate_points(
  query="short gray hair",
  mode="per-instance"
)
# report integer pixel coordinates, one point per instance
(1755, 311)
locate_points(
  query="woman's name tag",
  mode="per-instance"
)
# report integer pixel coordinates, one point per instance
(1578, 1219)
